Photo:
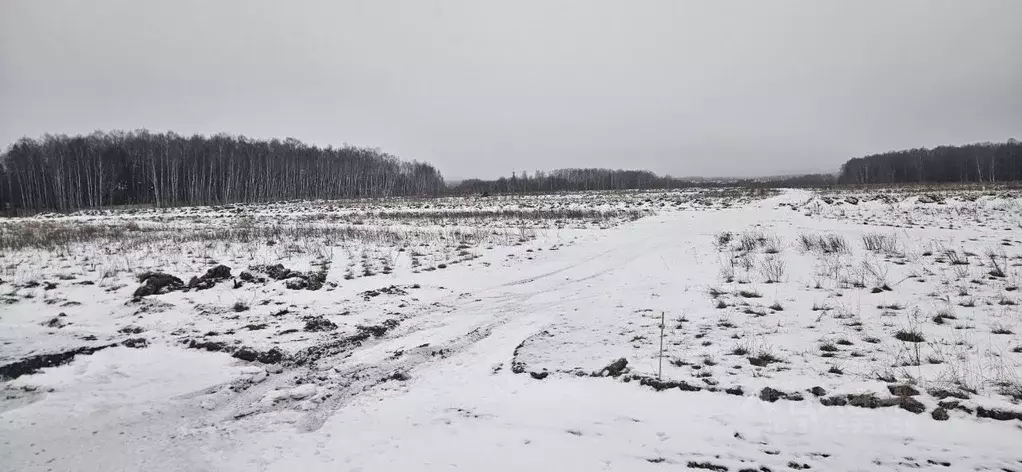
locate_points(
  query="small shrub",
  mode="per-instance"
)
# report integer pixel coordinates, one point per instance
(909, 336)
(749, 241)
(954, 258)
(239, 307)
(777, 306)
(724, 239)
(835, 244)
(828, 347)
(749, 294)
(944, 315)
(754, 312)
(806, 242)
(997, 260)
(835, 370)
(772, 269)
(880, 243)
(879, 274)
(827, 244)
(772, 245)
(740, 351)
(1001, 329)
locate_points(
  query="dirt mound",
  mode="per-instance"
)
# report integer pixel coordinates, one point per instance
(277, 271)
(155, 283)
(319, 323)
(613, 369)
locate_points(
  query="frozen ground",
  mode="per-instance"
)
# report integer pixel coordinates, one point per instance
(851, 331)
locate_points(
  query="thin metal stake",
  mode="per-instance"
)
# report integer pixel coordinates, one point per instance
(660, 370)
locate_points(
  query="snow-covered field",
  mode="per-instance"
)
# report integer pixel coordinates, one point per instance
(872, 330)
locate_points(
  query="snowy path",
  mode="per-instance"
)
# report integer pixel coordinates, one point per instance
(466, 410)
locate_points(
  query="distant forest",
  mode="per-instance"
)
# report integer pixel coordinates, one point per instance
(66, 173)
(572, 180)
(165, 169)
(981, 162)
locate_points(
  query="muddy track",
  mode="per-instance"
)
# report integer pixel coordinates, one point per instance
(334, 366)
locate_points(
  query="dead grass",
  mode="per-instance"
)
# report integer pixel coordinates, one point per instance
(880, 243)
(62, 236)
(826, 244)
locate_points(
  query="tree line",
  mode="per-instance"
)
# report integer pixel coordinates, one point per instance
(62, 173)
(980, 162)
(608, 179)
(573, 180)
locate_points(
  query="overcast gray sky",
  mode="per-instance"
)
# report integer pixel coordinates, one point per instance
(481, 88)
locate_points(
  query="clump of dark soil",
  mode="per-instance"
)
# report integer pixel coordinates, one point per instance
(763, 359)
(212, 276)
(613, 369)
(220, 272)
(277, 271)
(295, 280)
(392, 290)
(155, 283)
(660, 385)
(56, 322)
(772, 395)
(314, 353)
(319, 323)
(941, 394)
(998, 414)
(272, 356)
(706, 466)
(380, 329)
(400, 376)
(211, 346)
(871, 401)
(135, 343)
(902, 390)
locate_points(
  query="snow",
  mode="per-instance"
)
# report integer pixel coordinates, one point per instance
(118, 409)
(486, 364)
